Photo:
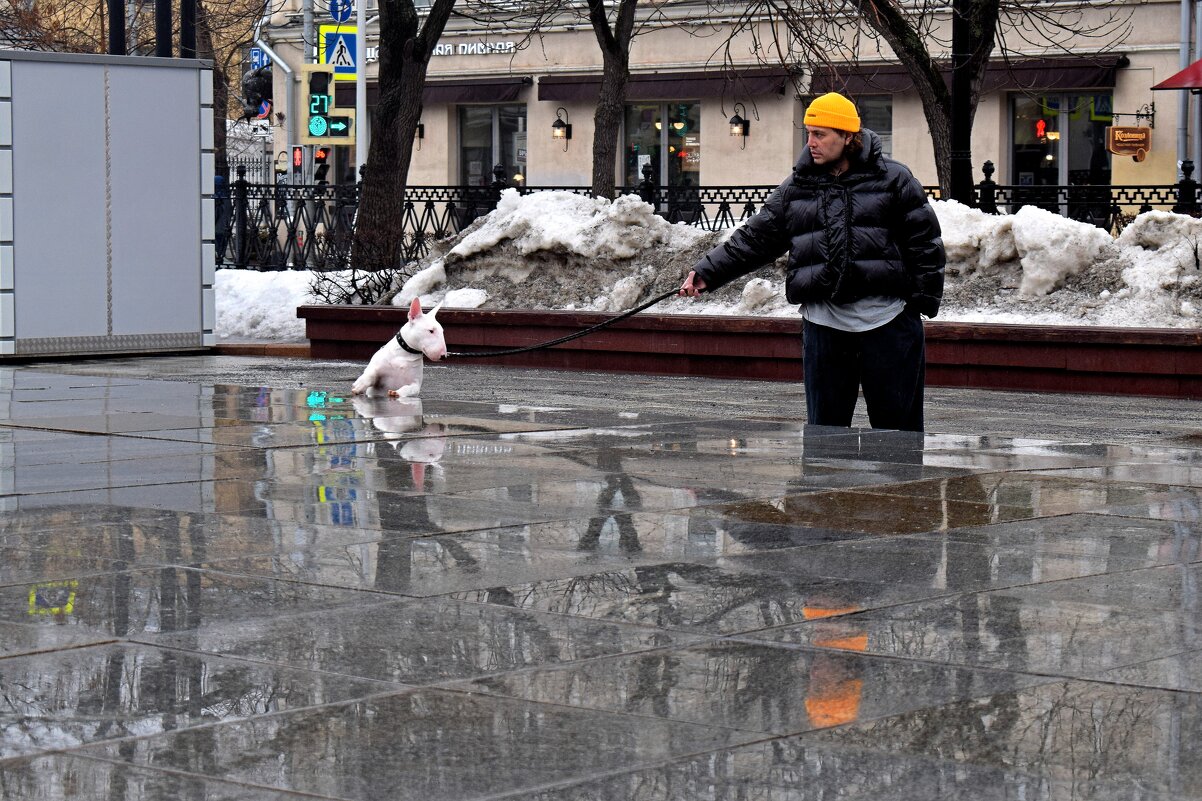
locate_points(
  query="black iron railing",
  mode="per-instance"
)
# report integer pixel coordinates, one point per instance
(282, 226)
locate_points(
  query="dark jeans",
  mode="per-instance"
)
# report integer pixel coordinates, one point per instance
(888, 362)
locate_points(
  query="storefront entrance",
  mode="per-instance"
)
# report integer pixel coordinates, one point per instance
(488, 136)
(666, 136)
(1060, 139)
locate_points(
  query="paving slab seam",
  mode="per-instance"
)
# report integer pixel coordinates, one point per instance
(392, 688)
(1052, 678)
(632, 769)
(62, 648)
(218, 780)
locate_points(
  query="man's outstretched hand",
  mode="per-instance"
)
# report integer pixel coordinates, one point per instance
(693, 286)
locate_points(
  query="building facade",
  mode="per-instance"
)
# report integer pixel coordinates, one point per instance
(494, 93)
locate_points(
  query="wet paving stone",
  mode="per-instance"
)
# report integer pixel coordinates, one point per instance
(796, 769)
(19, 566)
(941, 563)
(1169, 588)
(72, 778)
(1179, 672)
(149, 602)
(1053, 730)
(226, 578)
(701, 598)
(424, 566)
(426, 744)
(424, 641)
(31, 638)
(1008, 631)
(109, 692)
(764, 688)
(869, 513)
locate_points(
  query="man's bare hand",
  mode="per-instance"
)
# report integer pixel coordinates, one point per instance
(693, 286)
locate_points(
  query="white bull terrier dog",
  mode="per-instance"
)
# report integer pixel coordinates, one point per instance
(397, 366)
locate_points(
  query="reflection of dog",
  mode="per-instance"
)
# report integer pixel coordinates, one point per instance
(397, 366)
(399, 422)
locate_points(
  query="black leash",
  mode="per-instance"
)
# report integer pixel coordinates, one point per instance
(577, 335)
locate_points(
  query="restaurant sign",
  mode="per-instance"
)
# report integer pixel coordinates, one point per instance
(1129, 141)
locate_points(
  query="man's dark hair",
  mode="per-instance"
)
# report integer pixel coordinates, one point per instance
(856, 145)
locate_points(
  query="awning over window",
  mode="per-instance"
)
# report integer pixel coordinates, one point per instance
(667, 85)
(459, 90)
(1040, 74)
(1188, 78)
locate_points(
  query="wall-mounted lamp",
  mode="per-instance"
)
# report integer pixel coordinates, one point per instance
(561, 128)
(420, 134)
(739, 125)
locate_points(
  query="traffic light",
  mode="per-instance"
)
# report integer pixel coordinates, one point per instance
(321, 157)
(323, 122)
(298, 159)
(256, 91)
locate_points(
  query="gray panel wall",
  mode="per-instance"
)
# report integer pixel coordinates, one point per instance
(155, 190)
(106, 225)
(59, 242)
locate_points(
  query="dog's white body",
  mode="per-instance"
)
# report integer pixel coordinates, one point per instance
(396, 371)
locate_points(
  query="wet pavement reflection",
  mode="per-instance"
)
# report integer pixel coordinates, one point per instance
(228, 591)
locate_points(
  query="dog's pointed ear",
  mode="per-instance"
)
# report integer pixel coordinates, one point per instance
(434, 311)
(415, 309)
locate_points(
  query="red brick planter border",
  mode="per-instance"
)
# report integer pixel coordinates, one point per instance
(1160, 362)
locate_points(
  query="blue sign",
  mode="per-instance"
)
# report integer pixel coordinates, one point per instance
(341, 10)
(339, 48)
(258, 58)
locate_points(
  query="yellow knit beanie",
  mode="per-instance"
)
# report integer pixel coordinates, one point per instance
(833, 110)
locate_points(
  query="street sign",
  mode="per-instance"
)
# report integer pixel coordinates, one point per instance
(341, 10)
(258, 58)
(339, 48)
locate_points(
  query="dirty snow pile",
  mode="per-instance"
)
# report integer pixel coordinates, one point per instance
(558, 250)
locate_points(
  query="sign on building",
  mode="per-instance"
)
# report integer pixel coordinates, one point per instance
(339, 48)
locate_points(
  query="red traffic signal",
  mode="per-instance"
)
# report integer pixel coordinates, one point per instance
(321, 155)
(298, 158)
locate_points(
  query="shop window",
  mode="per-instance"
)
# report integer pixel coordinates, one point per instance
(876, 114)
(488, 136)
(666, 136)
(1060, 140)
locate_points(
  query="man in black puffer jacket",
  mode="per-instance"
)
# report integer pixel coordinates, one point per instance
(865, 260)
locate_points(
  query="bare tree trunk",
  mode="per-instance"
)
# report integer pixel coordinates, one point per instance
(607, 118)
(910, 47)
(221, 86)
(404, 58)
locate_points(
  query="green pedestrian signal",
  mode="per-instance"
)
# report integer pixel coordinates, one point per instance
(323, 120)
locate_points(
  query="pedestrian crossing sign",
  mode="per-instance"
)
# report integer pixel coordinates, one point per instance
(339, 46)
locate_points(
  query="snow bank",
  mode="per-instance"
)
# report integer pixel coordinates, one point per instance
(558, 250)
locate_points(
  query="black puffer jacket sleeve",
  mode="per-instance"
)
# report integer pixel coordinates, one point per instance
(757, 242)
(921, 245)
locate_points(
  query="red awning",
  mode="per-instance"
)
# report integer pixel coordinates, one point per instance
(1188, 78)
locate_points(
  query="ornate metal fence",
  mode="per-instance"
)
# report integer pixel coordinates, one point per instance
(303, 227)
